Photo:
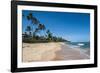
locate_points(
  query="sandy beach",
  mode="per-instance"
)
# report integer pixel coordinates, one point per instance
(51, 52)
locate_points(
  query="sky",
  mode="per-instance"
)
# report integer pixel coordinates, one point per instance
(71, 26)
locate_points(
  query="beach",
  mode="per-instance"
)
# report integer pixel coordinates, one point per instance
(52, 51)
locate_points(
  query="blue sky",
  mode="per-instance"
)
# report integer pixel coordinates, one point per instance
(74, 27)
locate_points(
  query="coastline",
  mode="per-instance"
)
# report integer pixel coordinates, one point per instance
(53, 51)
(68, 53)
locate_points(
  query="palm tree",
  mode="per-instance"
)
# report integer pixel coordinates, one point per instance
(41, 27)
(34, 21)
(49, 35)
(29, 16)
(28, 29)
(34, 33)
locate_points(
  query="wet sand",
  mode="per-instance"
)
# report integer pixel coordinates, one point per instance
(67, 53)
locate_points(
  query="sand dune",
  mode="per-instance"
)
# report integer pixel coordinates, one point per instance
(51, 52)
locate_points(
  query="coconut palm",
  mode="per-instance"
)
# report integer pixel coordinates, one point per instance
(33, 19)
(41, 27)
(28, 29)
(34, 22)
(49, 35)
(34, 33)
(29, 16)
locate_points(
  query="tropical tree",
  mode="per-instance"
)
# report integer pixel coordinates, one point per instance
(28, 29)
(49, 35)
(34, 22)
(34, 33)
(41, 27)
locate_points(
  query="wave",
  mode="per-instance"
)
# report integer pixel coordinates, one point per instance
(82, 45)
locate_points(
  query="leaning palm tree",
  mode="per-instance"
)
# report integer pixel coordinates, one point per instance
(35, 32)
(29, 16)
(49, 35)
(34, 22)
(41, 27)
(28, 29)
(33, 19)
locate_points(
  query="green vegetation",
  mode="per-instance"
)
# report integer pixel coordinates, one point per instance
(33, 31)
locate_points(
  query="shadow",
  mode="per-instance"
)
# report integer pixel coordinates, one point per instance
(8, 70)
(16, 72)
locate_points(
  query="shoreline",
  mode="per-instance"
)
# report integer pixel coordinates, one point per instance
(68, 53)
(53, 51)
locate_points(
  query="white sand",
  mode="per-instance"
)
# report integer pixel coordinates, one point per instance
(51, 51)
(40, 52)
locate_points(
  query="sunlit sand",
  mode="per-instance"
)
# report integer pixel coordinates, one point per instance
(51, 52)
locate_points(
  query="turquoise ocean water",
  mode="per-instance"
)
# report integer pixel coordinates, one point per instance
(83, 45)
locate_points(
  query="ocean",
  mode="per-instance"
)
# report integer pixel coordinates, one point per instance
(83, 45)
